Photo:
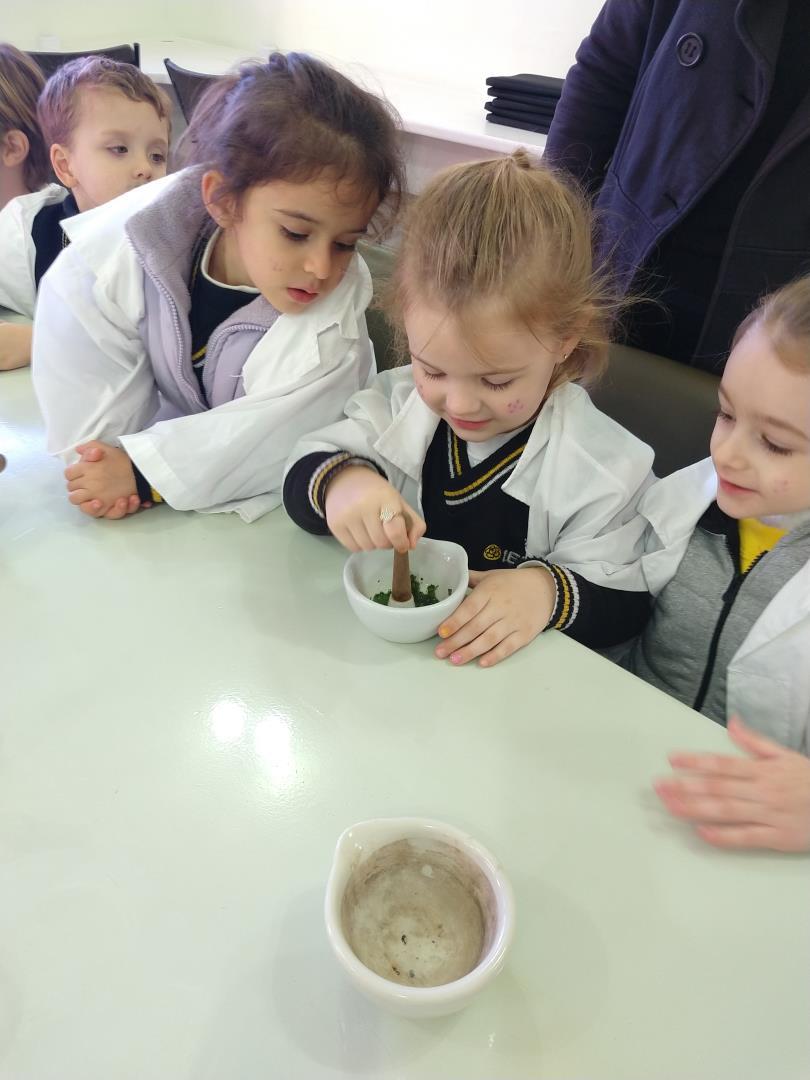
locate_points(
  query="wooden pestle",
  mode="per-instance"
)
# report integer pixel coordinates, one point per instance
(401, 575)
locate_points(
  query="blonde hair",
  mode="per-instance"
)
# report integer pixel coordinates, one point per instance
(58, 103)
(510, 230)
(785, 317)
(21, 83)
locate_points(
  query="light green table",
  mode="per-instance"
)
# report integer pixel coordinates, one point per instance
(190, 717)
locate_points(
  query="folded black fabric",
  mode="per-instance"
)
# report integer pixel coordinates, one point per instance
(525, 99)
(505, 121)
(526, 83)
(512, 108)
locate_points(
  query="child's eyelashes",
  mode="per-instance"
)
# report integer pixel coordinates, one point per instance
(497, 385)
(157, 158)
(299, 238)
(119, 150)
(771, 447)
(774, 448)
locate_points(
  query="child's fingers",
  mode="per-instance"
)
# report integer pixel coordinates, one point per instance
(510, 644)
(93, 453)
(74, 472)
(740, 836)
(718, 787)
(118, 509)
(93, 508)
(416, 531)
(396, 533)
(714, 764)
(79, 496)
(471, 629)
(481, 644)
(752, 741)
(135, 504)
(466, 610)
(93, 444)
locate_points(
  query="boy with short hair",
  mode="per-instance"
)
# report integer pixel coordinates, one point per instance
(107, 125)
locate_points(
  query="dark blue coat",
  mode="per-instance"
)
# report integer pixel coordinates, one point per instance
(663, 95)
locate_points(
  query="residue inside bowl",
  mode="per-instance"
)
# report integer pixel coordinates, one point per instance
(419, 913)
(423, 595)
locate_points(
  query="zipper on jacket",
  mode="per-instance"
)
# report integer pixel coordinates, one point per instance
(729, 596)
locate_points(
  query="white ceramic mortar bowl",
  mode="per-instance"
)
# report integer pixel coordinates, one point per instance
(368, 908)
(435, 562)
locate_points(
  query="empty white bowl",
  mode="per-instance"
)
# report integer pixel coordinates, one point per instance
(434, 562)
(418, 913)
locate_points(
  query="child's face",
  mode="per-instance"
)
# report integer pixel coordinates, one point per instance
(116, 145)
(496, 389)
(761, 441)
(291, 241)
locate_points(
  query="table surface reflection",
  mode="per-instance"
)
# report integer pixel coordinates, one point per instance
(191, 716)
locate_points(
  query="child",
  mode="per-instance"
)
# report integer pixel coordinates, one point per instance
(729, 564)
(193, 331)
(486, 439)
(107, 125)
(23, 154)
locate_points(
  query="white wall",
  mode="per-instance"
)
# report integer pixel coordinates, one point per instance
(454, 42)
(97, 22)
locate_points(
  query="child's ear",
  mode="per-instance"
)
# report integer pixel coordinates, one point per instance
(14, 148)
(567, 347)
(60, 163)
(222, 208)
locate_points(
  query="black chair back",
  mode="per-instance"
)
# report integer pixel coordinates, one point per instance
(50, 61)
(188, 85)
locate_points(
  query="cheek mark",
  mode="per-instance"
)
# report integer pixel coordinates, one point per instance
(514, 406)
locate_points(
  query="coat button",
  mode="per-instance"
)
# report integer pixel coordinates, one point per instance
(689, 49)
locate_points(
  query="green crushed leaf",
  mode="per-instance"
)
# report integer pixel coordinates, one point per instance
(422, 597)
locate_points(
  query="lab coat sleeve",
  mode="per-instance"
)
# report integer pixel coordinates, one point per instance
(232, 457)
(17, 290)
(368, 414)
(91, 373)
(594, 524)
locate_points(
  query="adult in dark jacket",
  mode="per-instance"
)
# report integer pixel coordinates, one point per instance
(690, 123)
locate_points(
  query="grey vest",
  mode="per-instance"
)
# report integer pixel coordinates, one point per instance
(164, 235)
(702, 617)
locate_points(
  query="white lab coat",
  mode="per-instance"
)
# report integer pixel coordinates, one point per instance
(94, 378)
(17, 253)
(581, 473)
(768, 682)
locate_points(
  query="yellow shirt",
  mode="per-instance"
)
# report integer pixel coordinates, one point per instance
(755, 539)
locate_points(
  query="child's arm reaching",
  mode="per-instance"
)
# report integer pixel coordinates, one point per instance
(343, 494)
(509, 608)
(758, 802)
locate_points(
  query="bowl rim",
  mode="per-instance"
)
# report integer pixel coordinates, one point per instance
(406, 613)
(425, 996)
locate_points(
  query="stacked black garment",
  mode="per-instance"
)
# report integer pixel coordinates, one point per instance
(523, 101)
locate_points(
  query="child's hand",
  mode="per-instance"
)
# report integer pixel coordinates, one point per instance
(363, 511)
(763, 802)
(506, 609)
(15, 346)
(102, 482)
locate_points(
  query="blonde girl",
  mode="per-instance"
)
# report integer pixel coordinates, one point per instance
(488, 438)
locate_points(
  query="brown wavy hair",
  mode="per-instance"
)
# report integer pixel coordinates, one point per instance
(514, 231)
(785, 317)
(21, 83)
(59, 101)
(291, 119)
